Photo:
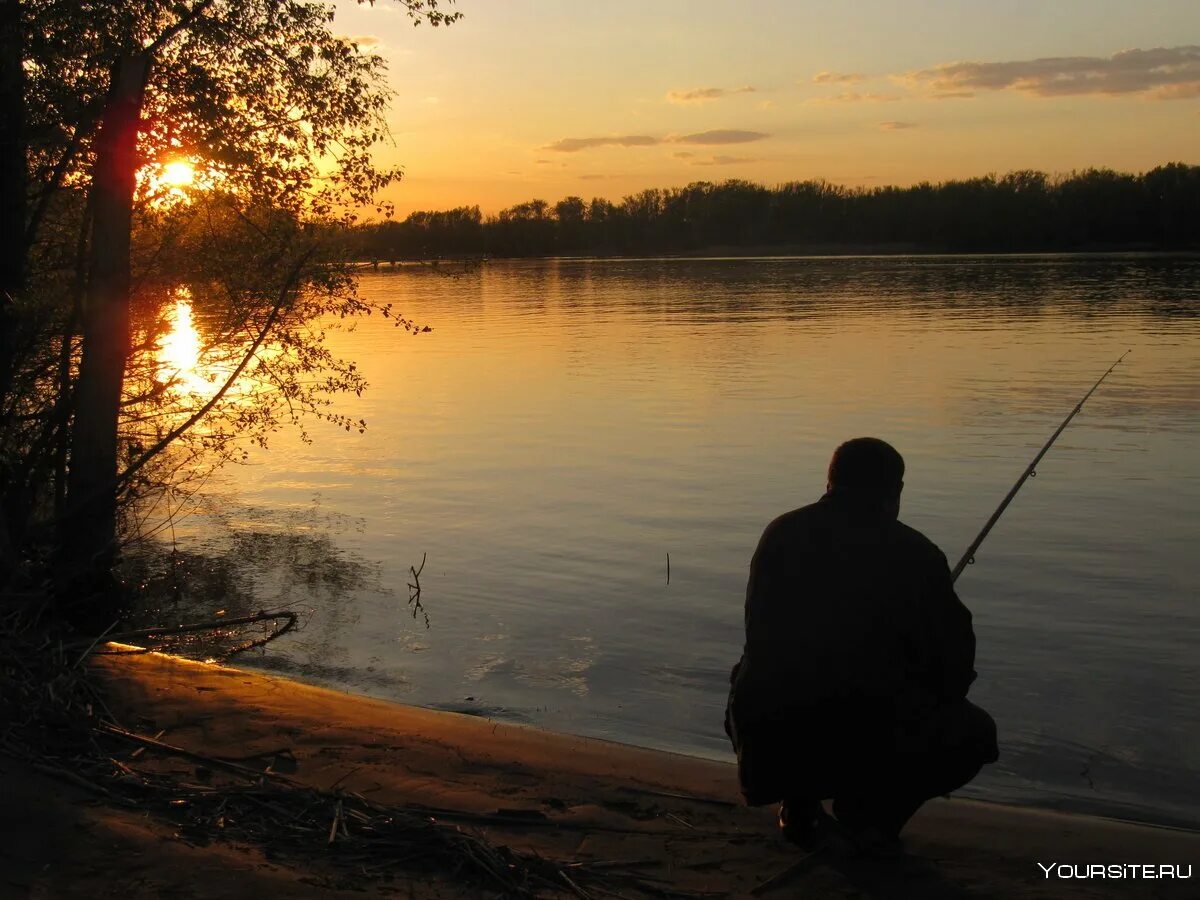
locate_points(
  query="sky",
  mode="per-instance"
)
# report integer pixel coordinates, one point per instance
(525, 99)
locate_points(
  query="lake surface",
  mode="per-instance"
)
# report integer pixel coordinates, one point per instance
(568, 424)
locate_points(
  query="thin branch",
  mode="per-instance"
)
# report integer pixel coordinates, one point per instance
(280, 302)
(185, 21)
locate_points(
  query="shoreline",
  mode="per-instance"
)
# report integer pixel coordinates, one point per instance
(766, 252)
(563, 797)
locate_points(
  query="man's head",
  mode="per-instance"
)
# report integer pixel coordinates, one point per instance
(870, 469)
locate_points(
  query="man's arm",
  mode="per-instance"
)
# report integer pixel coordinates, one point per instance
(760, 603)
(950, 633)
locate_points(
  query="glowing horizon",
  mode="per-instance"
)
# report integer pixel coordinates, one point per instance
(532, 99)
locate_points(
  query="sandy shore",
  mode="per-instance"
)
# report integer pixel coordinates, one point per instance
(573, 798)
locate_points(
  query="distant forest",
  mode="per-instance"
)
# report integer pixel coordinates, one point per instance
(1022, 211)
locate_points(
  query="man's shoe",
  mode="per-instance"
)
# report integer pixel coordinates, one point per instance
(863, 838)
(802, 823)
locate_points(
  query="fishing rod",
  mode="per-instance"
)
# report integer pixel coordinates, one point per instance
(968, 558)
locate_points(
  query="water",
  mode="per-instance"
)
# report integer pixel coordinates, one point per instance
(568, 424)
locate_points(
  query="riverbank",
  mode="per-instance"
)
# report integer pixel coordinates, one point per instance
(673, 818)
(782, 251)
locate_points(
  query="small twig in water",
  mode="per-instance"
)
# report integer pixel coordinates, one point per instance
(414, 591)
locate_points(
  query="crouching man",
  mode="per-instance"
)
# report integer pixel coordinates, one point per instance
(853, 681)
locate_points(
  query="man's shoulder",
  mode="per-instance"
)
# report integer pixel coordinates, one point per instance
(792, 520)
(916, 542)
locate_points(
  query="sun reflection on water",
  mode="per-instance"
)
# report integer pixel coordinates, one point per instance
(179, 351)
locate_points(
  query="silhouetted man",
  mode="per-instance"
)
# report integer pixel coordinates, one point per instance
(858, 657)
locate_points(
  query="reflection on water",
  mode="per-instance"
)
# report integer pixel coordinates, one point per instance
(569, 423)
(180, 348)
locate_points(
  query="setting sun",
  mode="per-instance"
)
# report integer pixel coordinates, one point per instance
(178, 174)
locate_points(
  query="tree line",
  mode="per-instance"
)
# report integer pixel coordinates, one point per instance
(1020, 211)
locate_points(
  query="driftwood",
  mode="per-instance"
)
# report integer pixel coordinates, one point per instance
(288, 617)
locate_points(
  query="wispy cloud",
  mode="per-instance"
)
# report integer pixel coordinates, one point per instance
(1184, 91)
(593, 177)
(683, 154)
(723, 161)
(897, 126)
(574, 145)
(704, 95)
(1167, 73)
(855, 97)
(718, 136)
(365, 40)
(837, 78)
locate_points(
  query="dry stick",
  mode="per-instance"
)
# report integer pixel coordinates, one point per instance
(95, 641)
(266, 639)
(1030, 471)
(333, 827)
(170, 630)
(690, 797)
(798, 867)
(576, 889)
(414, 591)
(140, 750)
(67, 775)
(151, 743)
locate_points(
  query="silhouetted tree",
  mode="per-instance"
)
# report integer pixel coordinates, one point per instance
(1022, 210)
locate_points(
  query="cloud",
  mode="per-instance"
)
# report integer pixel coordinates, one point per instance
(856, 97)
(364, 40)
(703, 95)
(1161, 73)
(720, 136)
(1183, 91)
(897, 126)
(837, 78)
(574, 145)
(724, 161)
(683, 154)
(593, 177)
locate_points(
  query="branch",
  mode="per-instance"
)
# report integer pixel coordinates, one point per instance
(185, 22)
(89, 118)
(289, 283)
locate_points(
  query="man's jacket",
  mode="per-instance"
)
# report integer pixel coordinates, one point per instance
(852, 626)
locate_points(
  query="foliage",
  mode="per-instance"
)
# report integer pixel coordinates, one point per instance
(277, 114)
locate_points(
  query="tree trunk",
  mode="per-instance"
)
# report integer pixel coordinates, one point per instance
(89, 536)
(13, 177)
(12, 160)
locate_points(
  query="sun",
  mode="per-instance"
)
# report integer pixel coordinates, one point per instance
(178, 174)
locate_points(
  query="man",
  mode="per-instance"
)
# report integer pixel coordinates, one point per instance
(858, 657)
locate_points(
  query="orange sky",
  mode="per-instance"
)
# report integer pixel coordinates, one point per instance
(549, 98)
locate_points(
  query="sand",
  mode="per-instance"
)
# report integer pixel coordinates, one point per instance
(590, 800)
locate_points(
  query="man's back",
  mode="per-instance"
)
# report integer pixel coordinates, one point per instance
(848, 605)
(858, 656)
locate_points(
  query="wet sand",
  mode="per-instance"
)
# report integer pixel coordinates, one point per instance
(679, 818)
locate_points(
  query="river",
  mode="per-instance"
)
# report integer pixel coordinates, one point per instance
(568, 424)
